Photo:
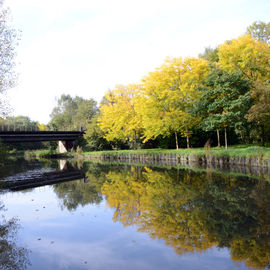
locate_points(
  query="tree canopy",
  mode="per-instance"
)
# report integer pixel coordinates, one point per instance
(72, 113)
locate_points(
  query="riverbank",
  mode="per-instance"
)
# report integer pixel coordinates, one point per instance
(242, 155)
(254, 156)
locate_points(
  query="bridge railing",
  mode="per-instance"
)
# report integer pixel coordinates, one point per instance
(17, 128)
(34, 128)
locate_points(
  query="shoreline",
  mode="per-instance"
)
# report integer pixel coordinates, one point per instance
(236, 155)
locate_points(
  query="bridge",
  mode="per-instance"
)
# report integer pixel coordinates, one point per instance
(67, 139)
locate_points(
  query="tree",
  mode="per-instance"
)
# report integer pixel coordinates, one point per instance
(209, 54)
(260, 110)
(8, 39)
(247, 55)
(87, 109)
(72, 113)
(19, 123)
(119, 119)
(168, 95)
(95, 136)
(260, 31)
(251, 57)
(224, 101)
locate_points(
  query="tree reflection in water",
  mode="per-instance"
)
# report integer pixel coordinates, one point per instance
(191, 211)
(195, 211)
(84, 191)
(12, 257)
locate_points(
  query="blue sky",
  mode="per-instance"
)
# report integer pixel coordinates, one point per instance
(86, 47)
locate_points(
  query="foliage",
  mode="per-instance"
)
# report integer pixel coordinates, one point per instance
(72, 113)
(95, 136)
(260, 110)
(246, 55)
(260, 31)
(225, 88)
(211, 55)
(119, 119)
(20, 123)
(168, 95)
(224, 101)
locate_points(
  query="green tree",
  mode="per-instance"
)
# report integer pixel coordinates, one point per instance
(251, 57)
(209, 54)
(259, 112)
(225, 99)
(260, 30)
(87, 109)
(72, 113)
(95, 136)
(19, 123)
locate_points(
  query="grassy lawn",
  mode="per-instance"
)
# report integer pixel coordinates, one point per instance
(233, 151)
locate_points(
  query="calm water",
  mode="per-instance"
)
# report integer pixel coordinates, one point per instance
(131, 217)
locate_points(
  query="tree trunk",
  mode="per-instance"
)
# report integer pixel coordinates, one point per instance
(176, 140)
(262, 134)
(242, 136)
(135, 140)
(188, 142)
(226, 142)
(218, 138)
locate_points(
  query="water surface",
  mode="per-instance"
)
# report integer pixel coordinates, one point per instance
(131, 217)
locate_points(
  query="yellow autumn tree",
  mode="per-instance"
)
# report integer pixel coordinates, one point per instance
(247, 55)
(167, 96)
(41, 127)
(118, 117)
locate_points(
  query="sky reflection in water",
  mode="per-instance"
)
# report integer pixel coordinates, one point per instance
(128, 217)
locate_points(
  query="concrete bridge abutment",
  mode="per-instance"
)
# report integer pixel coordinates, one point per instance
(66, 146)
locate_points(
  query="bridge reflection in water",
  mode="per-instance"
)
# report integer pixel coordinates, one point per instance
(37, 177)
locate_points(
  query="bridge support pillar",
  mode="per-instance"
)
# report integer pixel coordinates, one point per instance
(65, 146)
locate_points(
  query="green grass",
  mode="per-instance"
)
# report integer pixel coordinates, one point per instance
(38, 153)
(232, 151)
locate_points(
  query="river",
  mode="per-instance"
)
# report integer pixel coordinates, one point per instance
(74, 215)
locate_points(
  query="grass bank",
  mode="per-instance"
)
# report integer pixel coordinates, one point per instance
(44, 153)
(246, 151)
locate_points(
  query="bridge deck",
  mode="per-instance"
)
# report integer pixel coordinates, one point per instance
(39, 136)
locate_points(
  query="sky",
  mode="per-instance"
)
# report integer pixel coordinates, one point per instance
(86, 47)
